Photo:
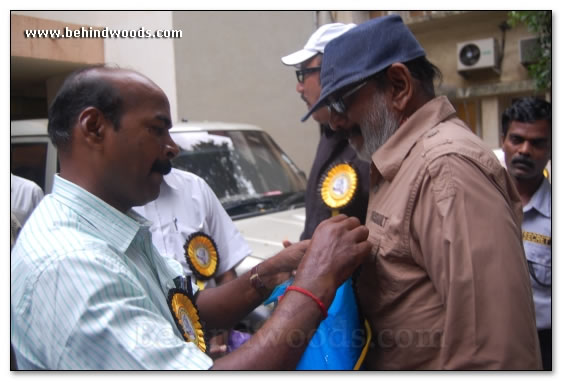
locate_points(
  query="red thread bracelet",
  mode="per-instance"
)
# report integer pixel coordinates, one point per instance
(322, 306)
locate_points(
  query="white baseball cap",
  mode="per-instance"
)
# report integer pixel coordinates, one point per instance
(317, 42)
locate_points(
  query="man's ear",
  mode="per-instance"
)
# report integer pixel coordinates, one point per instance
(402, 86)
(92, 126)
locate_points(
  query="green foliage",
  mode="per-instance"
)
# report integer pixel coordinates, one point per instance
(538, 22)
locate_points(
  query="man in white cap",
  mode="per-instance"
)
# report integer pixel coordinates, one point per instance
(333, 148)
(336, 170)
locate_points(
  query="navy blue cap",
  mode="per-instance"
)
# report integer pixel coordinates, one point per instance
(364, 51)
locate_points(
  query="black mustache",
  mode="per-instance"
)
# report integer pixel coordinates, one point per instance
(162, 166)
(522, 160)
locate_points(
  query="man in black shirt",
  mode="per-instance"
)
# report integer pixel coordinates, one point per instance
(333, 149)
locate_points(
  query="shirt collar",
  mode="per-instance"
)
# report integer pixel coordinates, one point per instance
(389, 157)
(170, 180)
(114, 227)
(541, 200)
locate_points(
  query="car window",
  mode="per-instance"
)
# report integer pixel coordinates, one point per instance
(247, 171)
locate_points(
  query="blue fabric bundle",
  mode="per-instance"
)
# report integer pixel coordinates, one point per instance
(339, 339)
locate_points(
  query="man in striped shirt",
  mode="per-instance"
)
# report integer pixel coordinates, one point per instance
(88, 288)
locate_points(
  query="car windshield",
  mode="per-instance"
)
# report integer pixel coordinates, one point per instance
(247, 171)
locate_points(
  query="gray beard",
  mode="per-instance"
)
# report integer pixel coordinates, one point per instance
(377, 126)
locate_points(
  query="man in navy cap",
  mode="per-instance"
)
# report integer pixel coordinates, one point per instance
(448, 285)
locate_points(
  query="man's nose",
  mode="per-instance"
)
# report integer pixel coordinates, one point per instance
(525, 148)
(171, 148)
(299, 87)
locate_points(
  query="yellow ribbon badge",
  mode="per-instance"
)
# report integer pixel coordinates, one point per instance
(186, 316)
(201, 255)
(338, 186)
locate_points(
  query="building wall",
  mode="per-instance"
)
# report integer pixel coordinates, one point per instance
(228, 68)
(36, 63)
(86, 51)
(440, 42)
(152, 57)
(492, 91)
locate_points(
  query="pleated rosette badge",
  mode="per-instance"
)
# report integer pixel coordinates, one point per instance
(338, 186)
(202, 256)
(186, 316)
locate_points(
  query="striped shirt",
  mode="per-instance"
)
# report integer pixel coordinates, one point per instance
(88, 290)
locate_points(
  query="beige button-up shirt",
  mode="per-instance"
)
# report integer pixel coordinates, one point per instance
(447, 286)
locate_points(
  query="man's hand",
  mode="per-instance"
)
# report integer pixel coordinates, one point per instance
(338, 246)
(283, 265)
(286, 243)
(218, 345)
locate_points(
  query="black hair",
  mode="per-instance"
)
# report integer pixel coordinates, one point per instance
(425, 72)
(421, 69)
(527, 109)
(79, 91)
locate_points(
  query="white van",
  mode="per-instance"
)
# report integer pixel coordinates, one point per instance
(259, 186)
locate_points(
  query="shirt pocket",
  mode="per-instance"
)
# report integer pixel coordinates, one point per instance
(539, 264)
(385, 236)
(385, 258)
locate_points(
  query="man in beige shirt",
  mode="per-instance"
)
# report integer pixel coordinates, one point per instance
(448, 285)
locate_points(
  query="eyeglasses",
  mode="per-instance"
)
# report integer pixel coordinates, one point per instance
(302, 72)
(337, 104)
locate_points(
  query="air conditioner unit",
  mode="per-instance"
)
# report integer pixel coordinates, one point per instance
(478, 55)
(529, 50)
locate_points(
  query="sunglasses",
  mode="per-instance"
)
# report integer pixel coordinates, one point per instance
(302, 72)
(337, 104)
